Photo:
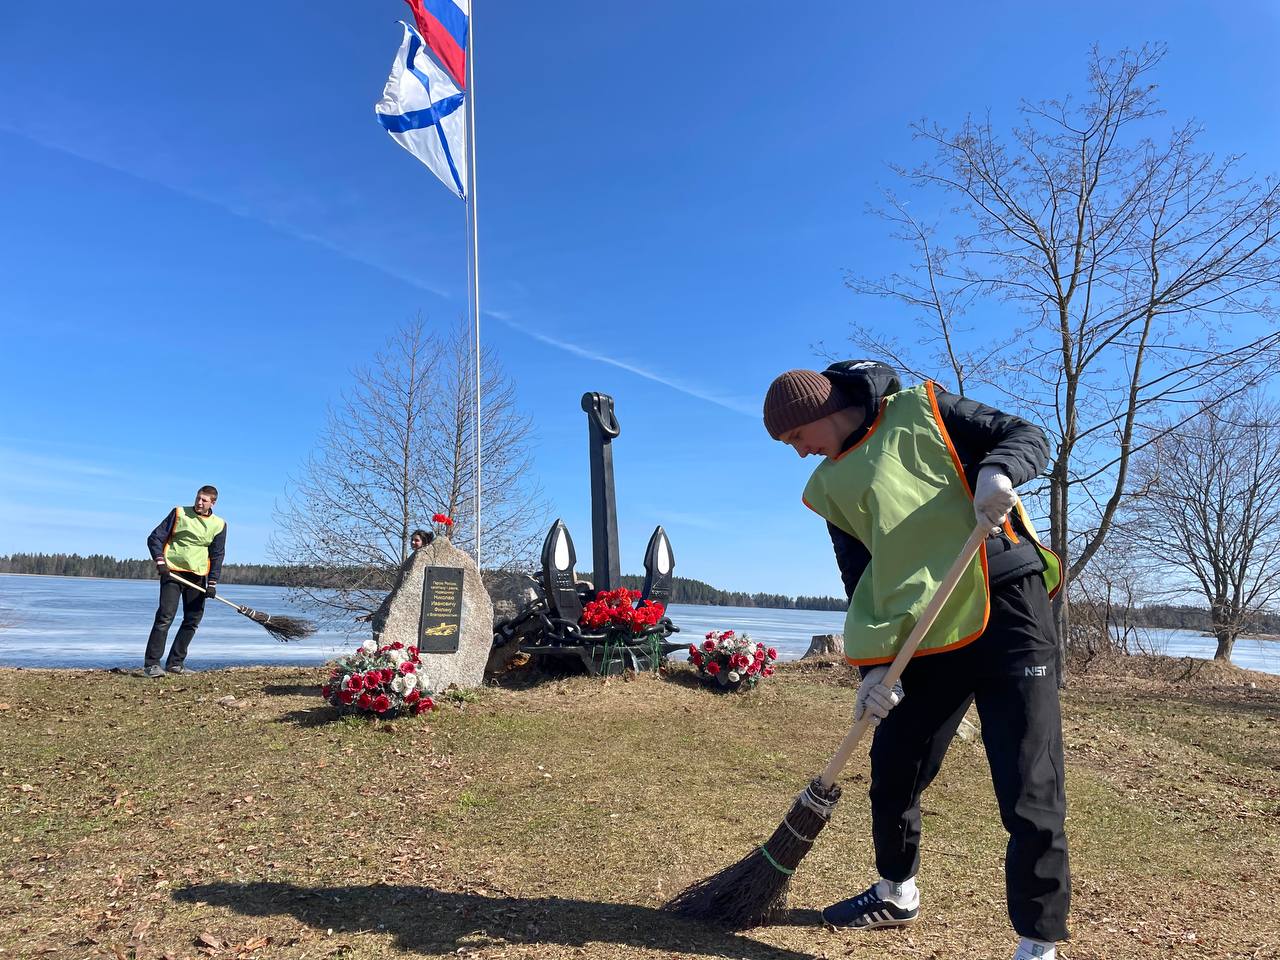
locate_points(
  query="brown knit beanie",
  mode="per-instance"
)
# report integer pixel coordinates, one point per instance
(798, 397)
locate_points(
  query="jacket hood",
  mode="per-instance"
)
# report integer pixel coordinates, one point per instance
(864, 382)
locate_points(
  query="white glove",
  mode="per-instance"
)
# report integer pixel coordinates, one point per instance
(875, 698)
(993, 497)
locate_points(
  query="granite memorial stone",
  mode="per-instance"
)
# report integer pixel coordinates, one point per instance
(439, 605)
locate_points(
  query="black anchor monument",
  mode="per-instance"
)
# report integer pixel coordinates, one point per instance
(548, 625)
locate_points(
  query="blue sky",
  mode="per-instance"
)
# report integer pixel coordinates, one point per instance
(203, 229)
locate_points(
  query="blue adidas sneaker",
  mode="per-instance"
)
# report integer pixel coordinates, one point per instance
(868, 911)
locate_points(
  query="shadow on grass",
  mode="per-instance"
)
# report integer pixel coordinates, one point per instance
(315, 717)
(291, 689)
(427, 920)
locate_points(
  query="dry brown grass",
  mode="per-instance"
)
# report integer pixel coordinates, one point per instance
(144, 819)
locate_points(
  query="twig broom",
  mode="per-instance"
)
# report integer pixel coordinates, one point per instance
(753, 891)
(283, 629)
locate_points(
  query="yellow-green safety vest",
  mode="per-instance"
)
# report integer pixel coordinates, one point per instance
(901, 491)
(187, 548)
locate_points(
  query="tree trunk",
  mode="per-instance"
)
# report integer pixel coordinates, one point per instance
(1058, 543)
(1225, 642)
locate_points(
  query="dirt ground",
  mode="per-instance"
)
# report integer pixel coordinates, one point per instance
(230, 814)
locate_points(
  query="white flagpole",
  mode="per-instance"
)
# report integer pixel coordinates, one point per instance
(474, 252)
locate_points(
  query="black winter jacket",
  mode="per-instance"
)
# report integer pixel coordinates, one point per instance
(982, 437)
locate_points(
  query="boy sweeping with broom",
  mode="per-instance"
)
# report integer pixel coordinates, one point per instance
(904, 474)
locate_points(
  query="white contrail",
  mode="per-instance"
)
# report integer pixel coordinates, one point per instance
(736, 406)
(244, 212)
(233, 207)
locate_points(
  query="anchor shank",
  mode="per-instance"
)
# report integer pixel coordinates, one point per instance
(602, 428)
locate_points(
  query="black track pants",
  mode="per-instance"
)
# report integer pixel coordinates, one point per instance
(1009, 672)
(192, 611)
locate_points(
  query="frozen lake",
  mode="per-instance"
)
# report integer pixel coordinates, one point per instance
(81, 622)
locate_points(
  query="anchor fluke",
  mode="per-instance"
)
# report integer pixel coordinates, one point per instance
(659, 561)
(559, 581)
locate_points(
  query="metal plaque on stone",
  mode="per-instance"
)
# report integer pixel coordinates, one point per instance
(440, 625)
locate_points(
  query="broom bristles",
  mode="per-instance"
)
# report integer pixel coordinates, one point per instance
(753, 891)
(747, 894)
(285, 629)
(282, 628)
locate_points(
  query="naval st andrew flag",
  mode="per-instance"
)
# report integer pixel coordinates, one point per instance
(422, 110)
(443, 25)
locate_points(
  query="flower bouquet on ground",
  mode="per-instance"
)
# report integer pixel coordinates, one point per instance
(381, 682)
(731, 661)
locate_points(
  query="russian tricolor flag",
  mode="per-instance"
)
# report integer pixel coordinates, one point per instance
(443, 25)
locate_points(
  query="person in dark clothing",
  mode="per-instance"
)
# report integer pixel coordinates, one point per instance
(906, 475)
(190, 541)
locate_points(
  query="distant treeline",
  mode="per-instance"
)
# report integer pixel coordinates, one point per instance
(1171, 617)
(684, 590)
(100, 565)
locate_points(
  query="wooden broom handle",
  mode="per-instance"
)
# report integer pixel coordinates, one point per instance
(188, 583)
(908, 648)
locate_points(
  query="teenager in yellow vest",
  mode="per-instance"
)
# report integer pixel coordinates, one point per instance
(905, 474)
(190, 541)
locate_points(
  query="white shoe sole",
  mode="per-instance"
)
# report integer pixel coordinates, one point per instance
(873, 925)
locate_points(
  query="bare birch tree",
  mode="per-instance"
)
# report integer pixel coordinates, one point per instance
(1109, 263)
(398, 448)
(1208, 506)
(513, 511)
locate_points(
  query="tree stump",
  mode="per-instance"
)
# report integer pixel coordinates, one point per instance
(823, 644)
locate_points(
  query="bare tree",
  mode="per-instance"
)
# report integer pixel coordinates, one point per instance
(1120, 260)
(1208, 505)
(398, 448)
(513, 511)
(1105, 598)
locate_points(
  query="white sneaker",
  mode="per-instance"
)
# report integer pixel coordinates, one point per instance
(1030, 949)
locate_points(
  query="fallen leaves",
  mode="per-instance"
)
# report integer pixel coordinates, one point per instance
(210, 945)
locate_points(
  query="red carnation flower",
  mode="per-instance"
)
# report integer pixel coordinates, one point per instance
(364, 701)
(397, 645)
(355, 682)
(412, 651)
(407, 667)
(773, 654)
(713, 668)
(382, 703)
(346, 696)
(708, 645)
(767, 671)
(696, 657)
(412, 696)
